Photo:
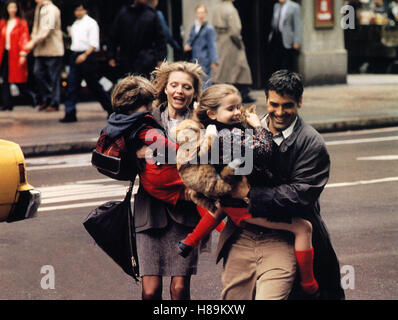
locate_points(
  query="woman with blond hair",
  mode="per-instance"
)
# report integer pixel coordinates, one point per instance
(159, 225)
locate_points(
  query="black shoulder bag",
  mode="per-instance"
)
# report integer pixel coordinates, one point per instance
(112, 227)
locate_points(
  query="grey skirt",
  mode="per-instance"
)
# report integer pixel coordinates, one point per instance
(158, 251)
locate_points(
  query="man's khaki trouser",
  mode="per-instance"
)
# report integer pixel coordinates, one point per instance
(260, 267)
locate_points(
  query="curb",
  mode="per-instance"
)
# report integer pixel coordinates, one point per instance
(53, 149)
(354, 124)
(87, 146)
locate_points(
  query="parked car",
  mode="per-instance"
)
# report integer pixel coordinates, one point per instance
(18, 199)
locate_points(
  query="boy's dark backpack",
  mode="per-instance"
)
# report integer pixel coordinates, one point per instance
(111, 158)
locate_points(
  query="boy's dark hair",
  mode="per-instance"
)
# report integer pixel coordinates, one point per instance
(131, 93)
(285, 82)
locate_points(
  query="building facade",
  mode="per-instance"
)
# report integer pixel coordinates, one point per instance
(323, 57)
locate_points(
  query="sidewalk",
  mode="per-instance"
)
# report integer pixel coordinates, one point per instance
(365, 101)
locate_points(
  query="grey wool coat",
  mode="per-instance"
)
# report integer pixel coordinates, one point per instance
(232, 62)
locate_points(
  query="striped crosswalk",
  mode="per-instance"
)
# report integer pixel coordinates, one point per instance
(82, 194)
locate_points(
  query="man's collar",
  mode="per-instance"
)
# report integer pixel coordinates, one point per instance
(278, 139)
(82, 18)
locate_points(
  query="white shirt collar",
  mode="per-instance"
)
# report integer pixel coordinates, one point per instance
(198, 25)
(82, 19)
(278, 139)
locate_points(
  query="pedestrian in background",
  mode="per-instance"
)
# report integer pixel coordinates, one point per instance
(232, 64)
(139, 35)
(48, 50)
(14, 35)
(85, 41)
(169, 37)
(285, 36)
(202, 44)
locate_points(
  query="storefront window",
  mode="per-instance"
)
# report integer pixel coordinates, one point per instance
(376, 12)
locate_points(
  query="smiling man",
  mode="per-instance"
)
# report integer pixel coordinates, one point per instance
(260, 263)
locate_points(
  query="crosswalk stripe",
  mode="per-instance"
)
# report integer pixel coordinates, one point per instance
(361, 182)
(365, 140)
(79, 197)
(79, 190)
(57, 197)
(71, 206)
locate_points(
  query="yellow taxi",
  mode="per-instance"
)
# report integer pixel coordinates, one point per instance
(18, 199)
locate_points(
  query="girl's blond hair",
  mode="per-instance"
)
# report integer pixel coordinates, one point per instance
(211, 98)
(161, 77)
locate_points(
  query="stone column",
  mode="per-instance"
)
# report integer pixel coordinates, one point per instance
(323, 58)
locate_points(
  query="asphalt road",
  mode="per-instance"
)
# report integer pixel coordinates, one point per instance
(53, 257)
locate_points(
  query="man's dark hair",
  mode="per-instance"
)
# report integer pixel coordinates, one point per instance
(285, 82)
(79, 3)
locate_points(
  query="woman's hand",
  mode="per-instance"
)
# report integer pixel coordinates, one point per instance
(187, 47)
(29, 46)
(22, 60)
(241, 190)
(140, 153)
(145, 153)
(187, 195)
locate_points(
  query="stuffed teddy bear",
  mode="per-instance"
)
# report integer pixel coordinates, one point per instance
(195, 144)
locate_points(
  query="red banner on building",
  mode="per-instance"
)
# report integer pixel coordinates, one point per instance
(324, 13)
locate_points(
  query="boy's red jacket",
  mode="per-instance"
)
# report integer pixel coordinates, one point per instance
(161, 180)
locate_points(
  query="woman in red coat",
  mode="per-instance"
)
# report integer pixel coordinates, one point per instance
(14, 34)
